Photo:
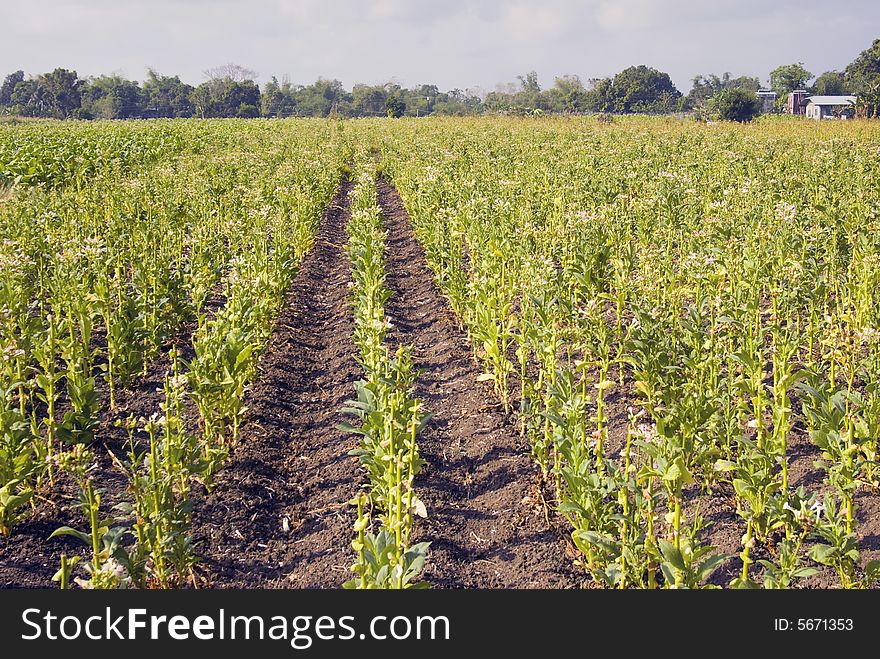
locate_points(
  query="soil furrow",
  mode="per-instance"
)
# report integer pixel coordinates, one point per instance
(481, 489)
(278, 515)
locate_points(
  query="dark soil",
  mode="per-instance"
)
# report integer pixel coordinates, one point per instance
(486, 522)
(278, 516)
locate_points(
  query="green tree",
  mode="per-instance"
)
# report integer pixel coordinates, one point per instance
(394, 105)
(502, 99)
(112, 97)
(830, 83)
(600, 97)
(641, 89)
(31, 99)
(789, 77)
(736, 104)
(321, 98)
(224, 97)
(277, 100)
(863, 78)
(705, 87)
(568, 95)
(368, 100)
(458, 102)
(420, 100)
(8, 87)
(65, 87)
(166, 96)
(56, 94)
(529, 96)
(247, 111)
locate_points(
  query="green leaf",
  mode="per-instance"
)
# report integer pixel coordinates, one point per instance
(66, 530)
(708, 566)
(685, 475)
(572, 507)
(672, 554)
(823, 554)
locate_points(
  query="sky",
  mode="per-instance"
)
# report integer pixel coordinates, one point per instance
(451, 43)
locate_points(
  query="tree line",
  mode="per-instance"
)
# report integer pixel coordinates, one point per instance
(230, 91)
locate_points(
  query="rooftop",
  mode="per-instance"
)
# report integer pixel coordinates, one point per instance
(832, 100)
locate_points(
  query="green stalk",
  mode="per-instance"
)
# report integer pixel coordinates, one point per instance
(93, 502)
(745, 553)
(50, 396)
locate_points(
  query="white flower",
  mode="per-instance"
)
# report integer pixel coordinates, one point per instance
(179, 381)
(648, 431)
(798, 513)
(786, 211)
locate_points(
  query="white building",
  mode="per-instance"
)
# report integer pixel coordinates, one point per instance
(830, 107)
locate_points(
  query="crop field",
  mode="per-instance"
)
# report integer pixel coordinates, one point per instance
(448, 353)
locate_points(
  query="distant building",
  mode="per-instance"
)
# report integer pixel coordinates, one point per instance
(768, 100)
(797, 102)
(830, 107)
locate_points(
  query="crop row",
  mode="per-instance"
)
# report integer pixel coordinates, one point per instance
(389, 417)
(716, 287)
(97, 281)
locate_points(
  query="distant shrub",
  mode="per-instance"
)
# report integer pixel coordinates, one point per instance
(736, 105)
(247, 111)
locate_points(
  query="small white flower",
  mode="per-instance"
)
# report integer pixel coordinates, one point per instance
(648, 431)
(798, 513)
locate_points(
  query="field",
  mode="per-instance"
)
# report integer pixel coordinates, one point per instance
(449, 353)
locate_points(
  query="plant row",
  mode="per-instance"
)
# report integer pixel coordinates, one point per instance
(96, 290)
(389, 417)
(671, 312)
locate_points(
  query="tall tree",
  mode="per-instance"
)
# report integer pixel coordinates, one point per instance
(321, 98)
(458, 102)
(8, 87)
(368, 100)
(395, 106)
(112, 97)
(529, 96)
(230, 71)
(166, 96)
(830, 83)
(643, 89)
(789, 77)
(705, 87)
(225, 97)
(600, 97)
(277, 99)
(568, 95)
(63, 88)
(31, 99)
(863, 78)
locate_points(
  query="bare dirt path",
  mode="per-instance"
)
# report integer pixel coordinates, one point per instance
(278, 516)
(481, 489)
